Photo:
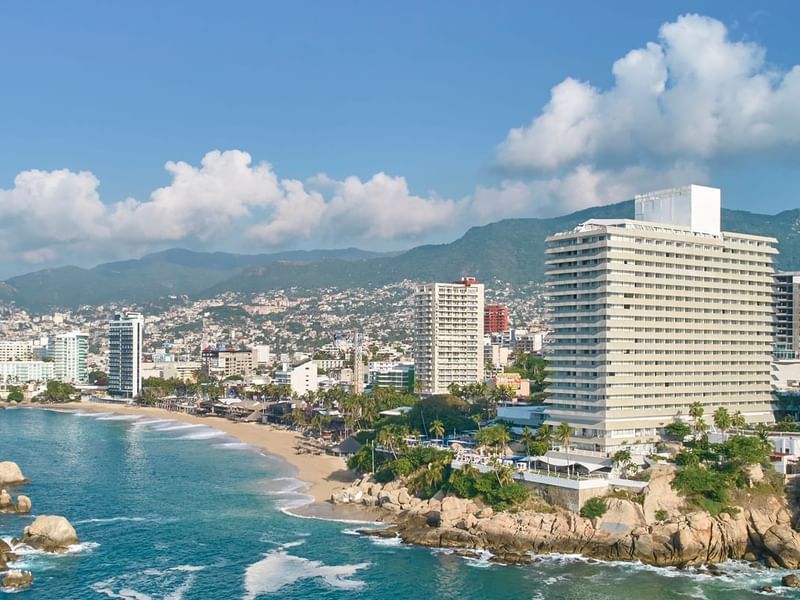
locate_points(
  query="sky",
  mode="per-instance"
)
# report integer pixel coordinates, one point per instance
(257, 126)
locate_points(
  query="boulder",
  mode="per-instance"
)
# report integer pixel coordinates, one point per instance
(621, 518)
(659, 494)
(23, 504)
(340, 497)
(791, 580)
(10, 473)
(50, 533)
(6, 503)
(17, 580)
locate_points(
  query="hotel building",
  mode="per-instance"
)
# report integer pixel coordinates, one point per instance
(125, 355)
(652, 314)
(448, 335)
(69, 352)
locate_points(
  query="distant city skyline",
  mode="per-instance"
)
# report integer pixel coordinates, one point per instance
(258, 127)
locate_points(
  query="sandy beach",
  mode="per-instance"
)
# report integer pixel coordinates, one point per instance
(322, 473)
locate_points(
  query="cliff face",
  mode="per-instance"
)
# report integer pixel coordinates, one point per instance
(627, 531)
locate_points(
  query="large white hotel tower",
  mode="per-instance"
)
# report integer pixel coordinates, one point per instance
(448, 335)
(654, 314)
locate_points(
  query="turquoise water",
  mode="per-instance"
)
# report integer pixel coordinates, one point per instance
(166, 510)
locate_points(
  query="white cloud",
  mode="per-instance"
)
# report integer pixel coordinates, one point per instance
(58, 216)
(581, 187)
(694, 95)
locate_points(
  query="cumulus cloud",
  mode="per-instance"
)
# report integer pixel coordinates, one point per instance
(56, 216)
(693, 95)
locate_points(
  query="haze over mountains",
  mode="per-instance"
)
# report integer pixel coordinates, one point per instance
(511, 250)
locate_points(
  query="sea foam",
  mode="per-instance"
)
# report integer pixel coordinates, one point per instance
(279, 569)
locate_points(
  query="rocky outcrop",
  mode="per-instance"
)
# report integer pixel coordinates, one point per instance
(627, 531)
(11, 474)
(50, 533)
(659, 495)
(7, 505)
(17, 580)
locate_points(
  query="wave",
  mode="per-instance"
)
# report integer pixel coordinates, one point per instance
(202, 435)
(178, 426)
(181, 577)
(234, 446)
(279, 569)
(119, 418)
(21, 549)
(111, 520)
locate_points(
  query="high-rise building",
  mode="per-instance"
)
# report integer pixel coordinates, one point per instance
(651, 315)
(12, 350)
(69, 352)
(495, 318)
(448, 335)
(228, 362)
(787, 317)
(125, 334)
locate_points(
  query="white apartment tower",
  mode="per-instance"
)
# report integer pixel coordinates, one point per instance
(448, 335)
(651, 315)
(125, 354)
(69, 352)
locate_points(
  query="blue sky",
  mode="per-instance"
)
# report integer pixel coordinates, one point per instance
(426, 92)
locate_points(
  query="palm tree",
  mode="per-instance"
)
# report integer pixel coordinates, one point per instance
(622, 458)
(502, 438)
(437, 429)
(738, 421)
(503, 473)
(477, 419)
(722, 419)
(701, 426)
(545, 433)
(526, 438)
(563, 433)
(696, 412)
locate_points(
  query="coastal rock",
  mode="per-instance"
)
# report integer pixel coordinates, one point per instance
(6, 503)
(17, 580)
(10, 473)
(621, 518)
(23, 504)
(791, 580)
(659, 494)
(50, 533)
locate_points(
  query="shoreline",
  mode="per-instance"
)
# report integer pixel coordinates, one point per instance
(321, 474)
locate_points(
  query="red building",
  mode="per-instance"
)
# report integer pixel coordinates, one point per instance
(495, 318)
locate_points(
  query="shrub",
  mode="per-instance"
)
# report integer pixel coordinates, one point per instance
(662, 515)
(594, 507)
(462, 485)
(506, 496)
(698, 481)
(678, 430)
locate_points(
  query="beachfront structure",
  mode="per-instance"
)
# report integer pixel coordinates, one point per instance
(125, 332)
(448, 335)
(69, 352)
(651, 315)
(300, 377)
(13, 350)
(15, 372)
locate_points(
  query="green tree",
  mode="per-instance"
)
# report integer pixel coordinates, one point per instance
(15, 394)
(738, 421)
(563, 433)
(593, 508)
(545, 433)
(722, 419)
(622, 459)
(527, 438)
(437, 429)
(696, 412)
(677, 429)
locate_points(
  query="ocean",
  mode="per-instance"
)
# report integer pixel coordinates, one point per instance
(171, 511)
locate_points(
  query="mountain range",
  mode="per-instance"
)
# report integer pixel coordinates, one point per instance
(510, 250)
